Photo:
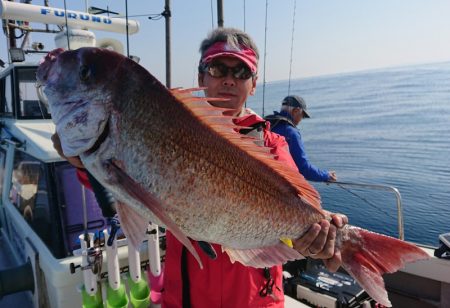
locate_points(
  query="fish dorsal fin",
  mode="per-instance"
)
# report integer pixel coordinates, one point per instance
(222, 124)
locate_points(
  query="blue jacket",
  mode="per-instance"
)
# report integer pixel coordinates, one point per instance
(281, 123)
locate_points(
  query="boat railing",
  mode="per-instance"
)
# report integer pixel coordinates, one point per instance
(382, 187)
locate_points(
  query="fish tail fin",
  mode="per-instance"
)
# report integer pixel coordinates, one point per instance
(366, 256)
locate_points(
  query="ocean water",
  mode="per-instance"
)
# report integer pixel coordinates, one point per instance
(389, 127)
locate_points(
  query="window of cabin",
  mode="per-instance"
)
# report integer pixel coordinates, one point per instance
(72, 199)
(50, 198)
(30, 106)
(8, 98)
(2, 169)
(2, 95)
(29, 194)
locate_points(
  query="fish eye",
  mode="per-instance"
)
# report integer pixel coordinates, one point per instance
(84, 73)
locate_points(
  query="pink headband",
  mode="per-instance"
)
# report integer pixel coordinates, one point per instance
(223, 49)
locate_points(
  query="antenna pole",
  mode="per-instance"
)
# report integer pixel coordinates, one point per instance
(167, 14)
(220, 13)
(126, 27)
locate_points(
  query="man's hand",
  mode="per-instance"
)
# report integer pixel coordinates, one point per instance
(74, 160)
(319, 242)
(332, 177)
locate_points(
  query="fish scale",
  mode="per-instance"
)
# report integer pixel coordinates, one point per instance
(214, 187)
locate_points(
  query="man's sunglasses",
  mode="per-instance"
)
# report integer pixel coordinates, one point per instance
(219, 70)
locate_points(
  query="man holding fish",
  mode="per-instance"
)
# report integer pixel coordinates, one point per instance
(228, 69)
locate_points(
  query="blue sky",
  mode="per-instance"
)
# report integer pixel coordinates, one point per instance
(329, 36)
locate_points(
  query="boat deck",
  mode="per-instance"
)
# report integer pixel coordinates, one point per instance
(290, 302)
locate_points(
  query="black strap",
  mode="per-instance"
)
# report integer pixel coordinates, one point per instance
(275, 119)
(186, 294)
(268, 285)
(104, 198)
(258, 126)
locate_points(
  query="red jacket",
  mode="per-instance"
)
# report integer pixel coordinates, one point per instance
(222, 283)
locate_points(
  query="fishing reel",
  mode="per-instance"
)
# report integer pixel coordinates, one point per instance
(95, 260)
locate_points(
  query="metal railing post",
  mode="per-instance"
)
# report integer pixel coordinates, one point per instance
(401, 234)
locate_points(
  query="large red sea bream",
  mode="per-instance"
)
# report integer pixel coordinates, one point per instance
(175, 160)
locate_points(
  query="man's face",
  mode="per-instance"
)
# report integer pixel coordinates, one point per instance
(228, 87)
(297, 115)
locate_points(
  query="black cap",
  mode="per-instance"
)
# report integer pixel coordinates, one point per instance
(296, 101)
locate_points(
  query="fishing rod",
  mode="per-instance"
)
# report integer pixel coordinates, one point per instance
(265, 56)
(91, 262)
(85, 227)
(292, 47)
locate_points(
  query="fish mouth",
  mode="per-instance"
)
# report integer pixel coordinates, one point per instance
(79, 145)
(80, 123)
(100, 140)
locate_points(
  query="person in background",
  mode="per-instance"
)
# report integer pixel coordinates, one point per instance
(228, 69)
(284, 123)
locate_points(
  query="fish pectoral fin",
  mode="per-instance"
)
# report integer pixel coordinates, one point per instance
(136, 191)
(265, 256)
(208, 249)
(132, 223)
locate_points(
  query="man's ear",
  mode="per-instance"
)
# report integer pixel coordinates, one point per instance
(253, 90)
(200, 79)
(296, 110)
